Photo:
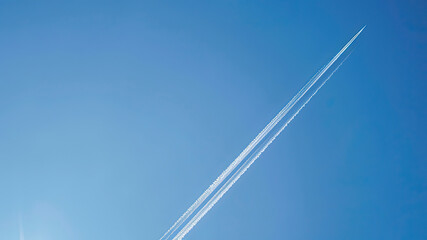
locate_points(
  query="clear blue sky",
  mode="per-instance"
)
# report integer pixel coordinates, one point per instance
(116, 115)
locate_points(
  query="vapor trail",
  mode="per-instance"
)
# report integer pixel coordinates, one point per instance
(254, 154)
(218, 195)
(234, 164)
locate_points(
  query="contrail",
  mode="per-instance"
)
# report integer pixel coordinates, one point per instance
(239, 173)
(231, 167)
(255, 149)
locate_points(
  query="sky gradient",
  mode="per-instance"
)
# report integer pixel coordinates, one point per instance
(115, 116)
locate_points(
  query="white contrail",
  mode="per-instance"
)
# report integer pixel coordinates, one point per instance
(248, 150)
(235, 163)
(220, 179)
(239, 173)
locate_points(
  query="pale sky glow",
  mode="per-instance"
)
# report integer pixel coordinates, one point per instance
(21, 230)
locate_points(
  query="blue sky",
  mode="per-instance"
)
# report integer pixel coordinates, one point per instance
(116, 115)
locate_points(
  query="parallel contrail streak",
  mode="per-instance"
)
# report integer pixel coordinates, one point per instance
(239, 173)
(248, 150)
(236, 162)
